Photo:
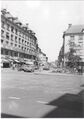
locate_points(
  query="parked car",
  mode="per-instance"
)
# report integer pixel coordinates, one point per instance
(58, 70)
(46, 67)
(27, 68)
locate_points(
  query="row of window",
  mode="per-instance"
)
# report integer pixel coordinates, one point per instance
(16, 45)
(15, 54)
(72, 37)
(15, 38)
(15, 31)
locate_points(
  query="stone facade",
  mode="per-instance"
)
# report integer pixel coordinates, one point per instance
(17, 40)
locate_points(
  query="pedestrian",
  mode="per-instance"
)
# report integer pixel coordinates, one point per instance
(80, 70)
(13, 66)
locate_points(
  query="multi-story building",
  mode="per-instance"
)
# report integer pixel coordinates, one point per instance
(42, 58)
(73, 37)
(17, 41)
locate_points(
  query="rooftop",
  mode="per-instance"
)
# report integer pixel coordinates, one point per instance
(75, 29)
(17, 22)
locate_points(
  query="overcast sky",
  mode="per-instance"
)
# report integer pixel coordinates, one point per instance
(48, 19)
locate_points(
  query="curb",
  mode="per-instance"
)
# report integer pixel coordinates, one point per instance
(55, 74)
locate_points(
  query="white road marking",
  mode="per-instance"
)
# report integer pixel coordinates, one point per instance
(14, 98)
(43, 102)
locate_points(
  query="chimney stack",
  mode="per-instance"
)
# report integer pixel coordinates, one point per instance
(69, 25)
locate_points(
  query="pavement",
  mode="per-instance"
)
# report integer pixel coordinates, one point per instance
(55, 73)
(41, 94)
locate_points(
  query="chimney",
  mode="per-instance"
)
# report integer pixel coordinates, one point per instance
(69, 25)
(4, 11)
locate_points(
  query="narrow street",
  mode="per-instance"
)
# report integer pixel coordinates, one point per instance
(37, 95)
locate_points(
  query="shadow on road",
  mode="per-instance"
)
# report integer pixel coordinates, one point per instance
(3, 115)
(69, 105)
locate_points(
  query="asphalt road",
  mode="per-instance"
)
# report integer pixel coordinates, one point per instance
(41, 95)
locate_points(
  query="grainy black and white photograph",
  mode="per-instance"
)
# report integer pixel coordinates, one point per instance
(42, 59)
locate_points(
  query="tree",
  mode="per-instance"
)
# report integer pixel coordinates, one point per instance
(61, 54)
(73, 59)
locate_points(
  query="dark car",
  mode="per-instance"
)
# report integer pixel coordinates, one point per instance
(46, 67)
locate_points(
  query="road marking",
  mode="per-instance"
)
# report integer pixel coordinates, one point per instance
(14, 98)
(43, 102)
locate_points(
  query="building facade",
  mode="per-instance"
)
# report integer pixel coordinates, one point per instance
(42, 58)
(73, 37)
(17, 41)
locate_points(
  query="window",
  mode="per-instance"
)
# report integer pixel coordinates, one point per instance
(11, 44)
(22, 48)
(80, 41)
(6, 52)
(16, 39)
(72, 37)
(80, 37)
(8, 27)
(16, 31)
(7, 35)
(3, 24)
(11, 37)
(25, 43)
(7, 42)
(19, 33)
(12, 29)
(19, 46)
(30, 44)
(2, 33)
(19, 40)
(22, 40)
(15, 45)
(1, 41)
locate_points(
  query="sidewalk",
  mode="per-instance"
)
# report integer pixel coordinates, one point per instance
(51, 73)
(8, 70)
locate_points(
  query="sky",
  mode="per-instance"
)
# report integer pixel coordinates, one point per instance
(48, 19)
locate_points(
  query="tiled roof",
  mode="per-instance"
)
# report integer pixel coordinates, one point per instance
(75, 29)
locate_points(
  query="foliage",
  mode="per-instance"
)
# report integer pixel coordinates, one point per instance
(61, 54)
(72, 59)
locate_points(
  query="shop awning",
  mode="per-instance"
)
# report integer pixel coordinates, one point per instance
(4, 61)
(16, 61)
(31, 63)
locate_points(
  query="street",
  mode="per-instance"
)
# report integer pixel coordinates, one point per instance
(35, 95)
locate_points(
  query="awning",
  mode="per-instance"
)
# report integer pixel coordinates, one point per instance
(31, 63)
(4, 61)
(16, 61)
